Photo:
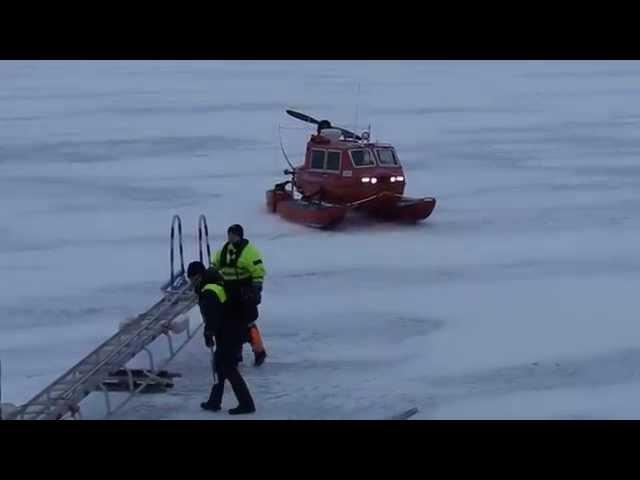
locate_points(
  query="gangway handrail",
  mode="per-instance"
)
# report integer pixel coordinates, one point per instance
(137, 335)
(202, 222)
(176, 219)
(172, 353)
(123, 349)
(62, 396)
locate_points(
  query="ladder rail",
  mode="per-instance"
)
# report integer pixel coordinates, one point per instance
(202, 224)
(173, 353)
(123, 351)
(62, 396)
(119, 358)
(174, 221)
(55, 408)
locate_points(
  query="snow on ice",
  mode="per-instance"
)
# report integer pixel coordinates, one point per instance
(517, 298)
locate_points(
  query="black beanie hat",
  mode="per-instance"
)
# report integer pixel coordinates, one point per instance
(195, 268)
(237, 229)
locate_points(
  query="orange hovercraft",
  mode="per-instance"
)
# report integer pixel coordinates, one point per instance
(343, 171)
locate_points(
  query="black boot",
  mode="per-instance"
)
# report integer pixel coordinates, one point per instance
(241, 392)
(242, 409)
(260, 358)
(215, 397)
(211, 407)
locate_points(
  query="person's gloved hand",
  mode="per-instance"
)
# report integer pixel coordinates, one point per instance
(208, 339)
(257, 293)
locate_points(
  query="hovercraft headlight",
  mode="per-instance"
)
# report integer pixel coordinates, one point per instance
(398, 178)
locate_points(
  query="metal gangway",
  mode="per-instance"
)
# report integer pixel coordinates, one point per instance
(105, 366)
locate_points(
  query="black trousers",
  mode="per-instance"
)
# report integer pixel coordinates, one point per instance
(240, 303)
(227, 369)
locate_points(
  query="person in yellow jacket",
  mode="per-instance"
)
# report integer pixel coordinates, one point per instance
(240, 264)
(223, 331)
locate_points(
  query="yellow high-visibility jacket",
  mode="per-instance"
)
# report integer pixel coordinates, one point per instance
(240, 264)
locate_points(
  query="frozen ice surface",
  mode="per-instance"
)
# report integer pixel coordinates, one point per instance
(517, 298)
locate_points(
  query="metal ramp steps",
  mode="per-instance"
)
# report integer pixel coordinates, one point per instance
(104, 369)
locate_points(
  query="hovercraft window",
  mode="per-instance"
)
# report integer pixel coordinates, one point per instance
(317, 159)
(387, 157)
(361, 158)
(333, 161)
